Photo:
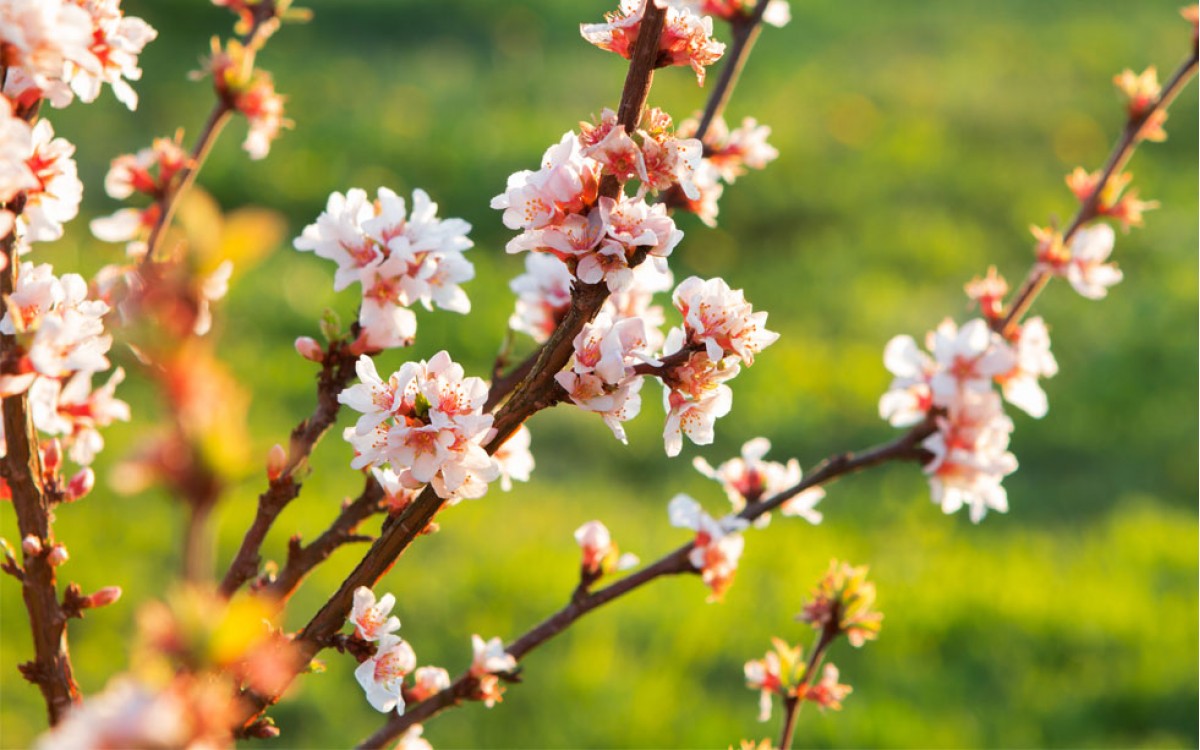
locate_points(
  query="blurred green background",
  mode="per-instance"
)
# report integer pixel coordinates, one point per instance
(918, 142)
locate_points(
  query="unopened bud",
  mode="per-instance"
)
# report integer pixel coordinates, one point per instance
(31, 546)
(276, 462)
(102, 598)
(51, 456)
(307, 347)
(81, 484)
(58, 555)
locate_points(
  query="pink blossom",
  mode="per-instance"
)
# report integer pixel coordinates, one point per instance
(1086, 270)
(45, 37)
(749, 479)
(600, 554)
(909, 397)
(428, 681)
(16, 144)
(717, 546)
(686, 38)
(601, 375)
(412, 739)
(968, 359)
(372, 619)
(55, 199)
(567, 183)
(382, 675)
(490, 660)
(116, 42)
(1031, 344)
(970, 455)
(720, 319)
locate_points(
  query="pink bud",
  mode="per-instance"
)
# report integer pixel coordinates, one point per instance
(276, 462)
(81, 484)
(51, 456)
(58, 555)
(102, 598)
(307, 347)
(31, 546)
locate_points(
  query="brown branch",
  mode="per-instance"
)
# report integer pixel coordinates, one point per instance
(1039, 276)
(905, 448)
(301, 559)
(21, 468)
(263, 20)
(337, 370)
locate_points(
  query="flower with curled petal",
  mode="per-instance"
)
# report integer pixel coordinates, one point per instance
(372, 619)
(382, 675)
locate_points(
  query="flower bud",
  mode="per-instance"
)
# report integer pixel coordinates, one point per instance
(58, 555)
(31, 546)
(51, 456)
(102, 598)
(307, 347)
(276, 461)
(81, 484)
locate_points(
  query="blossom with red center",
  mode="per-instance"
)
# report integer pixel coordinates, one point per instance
(250, 91)
(433, 431)
(749, 479)
(970, 455)
(721, 320)
(54, 200)
(116, 42)
(382, 675)
(777, 673)
(601, 375)
(1141, 91)
(717, 546)
(600, 554)
(41, 38)
(514, 458)
(968, 359)
(1031, 345)
(828, 692)
(372, 619)
(428, 681)
(1087, 271)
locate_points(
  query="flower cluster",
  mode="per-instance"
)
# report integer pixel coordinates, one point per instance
(61, 344)
(561, 212)
(382, 674)
(749, 479)
(717, 547)
(954, 387)
(727, 156)
(398, 257)
(686, 37)
(426, 423)
(720, 332)
(250, 91)
(60, 49)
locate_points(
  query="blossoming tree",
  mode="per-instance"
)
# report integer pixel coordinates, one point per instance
(599, 315)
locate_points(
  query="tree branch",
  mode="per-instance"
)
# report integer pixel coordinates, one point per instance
(337, 370)
(1039, 276)
(904, 448)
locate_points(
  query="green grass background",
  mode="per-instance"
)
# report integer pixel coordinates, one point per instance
(918, 142)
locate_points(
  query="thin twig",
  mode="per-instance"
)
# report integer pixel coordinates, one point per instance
(1039, 276)
(745, 31)
(337, 370)
(792, 704)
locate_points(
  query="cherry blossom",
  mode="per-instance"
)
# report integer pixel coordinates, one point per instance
(248, 90)
(489, 661)
(970, 455)
(601, 375)
(428, 681)
(1031, 343)
(694, 395)
(116, 42)
(776, 673)
(720, 319)
(55, 199)
(399, 257)
(433, 431)
(382, 675)
(1086, 271)
(412, 739)
(43, 37)
(372, 619)
(717, 547)
(16, 175)
(777, 12)
(76, 411)
(749, 479)
(567, 182)
(543, 296)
